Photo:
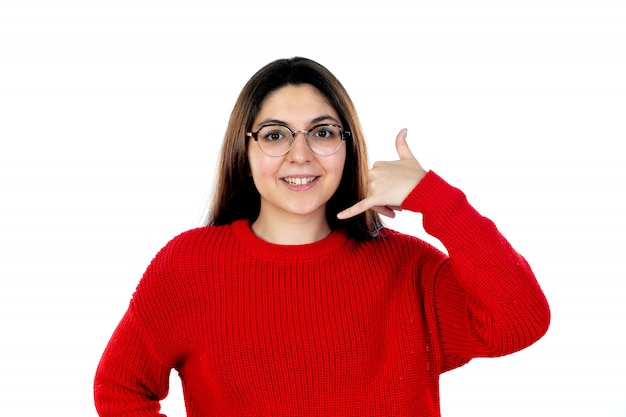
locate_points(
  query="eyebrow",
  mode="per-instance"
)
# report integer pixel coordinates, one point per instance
(312, 122)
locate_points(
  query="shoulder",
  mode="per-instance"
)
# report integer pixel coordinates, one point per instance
(202, 239)
(400, 257)
(200, 236)
(185, 255)
(392, 244)
(387, 236)
(178, 271)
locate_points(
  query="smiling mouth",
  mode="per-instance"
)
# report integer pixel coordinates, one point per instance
(299, 181)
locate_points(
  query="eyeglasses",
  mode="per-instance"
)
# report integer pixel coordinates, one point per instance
(277, 140)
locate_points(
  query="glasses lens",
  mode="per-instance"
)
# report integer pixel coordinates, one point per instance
(275, 140)
(325, 140)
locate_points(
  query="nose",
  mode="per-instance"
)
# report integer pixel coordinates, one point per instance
(300, 151)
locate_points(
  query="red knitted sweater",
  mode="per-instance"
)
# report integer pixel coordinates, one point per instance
(336, 327)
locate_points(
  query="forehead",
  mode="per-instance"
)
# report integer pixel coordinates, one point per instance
(295, 101)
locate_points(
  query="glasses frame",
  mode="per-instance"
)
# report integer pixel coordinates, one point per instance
(345, 134)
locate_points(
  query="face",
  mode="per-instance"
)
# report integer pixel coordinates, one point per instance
(301, 182)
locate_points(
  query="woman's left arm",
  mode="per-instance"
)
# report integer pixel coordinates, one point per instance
(487, 300)
(486, 297)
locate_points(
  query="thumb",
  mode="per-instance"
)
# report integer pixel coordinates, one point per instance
(402, 146)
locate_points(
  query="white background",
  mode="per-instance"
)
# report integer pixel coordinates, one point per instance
(112, 113)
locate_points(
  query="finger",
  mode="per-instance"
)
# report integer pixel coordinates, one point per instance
(402, 146)
(385, 211)
(354, 210)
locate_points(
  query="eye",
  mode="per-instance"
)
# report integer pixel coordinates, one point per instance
(326, 132)
(274, 136)
(273, 133)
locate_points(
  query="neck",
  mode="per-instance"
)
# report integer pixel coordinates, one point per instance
(291, 231)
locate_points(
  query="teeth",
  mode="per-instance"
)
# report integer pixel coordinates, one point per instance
(299, 181)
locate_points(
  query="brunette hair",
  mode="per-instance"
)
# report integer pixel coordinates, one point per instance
(236, 197)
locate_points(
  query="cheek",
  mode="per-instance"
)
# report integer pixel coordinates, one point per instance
(339, 164)
(262, 167)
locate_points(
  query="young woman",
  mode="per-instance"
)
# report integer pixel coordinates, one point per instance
(294, 300)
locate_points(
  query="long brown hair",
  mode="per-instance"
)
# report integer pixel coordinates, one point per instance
(235, 195)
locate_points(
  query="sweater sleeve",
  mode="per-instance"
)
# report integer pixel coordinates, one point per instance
(487, 301)
(133, 375)
(130, 379)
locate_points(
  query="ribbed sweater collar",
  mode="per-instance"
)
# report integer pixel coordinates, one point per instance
(258, 247)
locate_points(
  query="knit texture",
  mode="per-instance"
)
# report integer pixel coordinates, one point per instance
(335, 327)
